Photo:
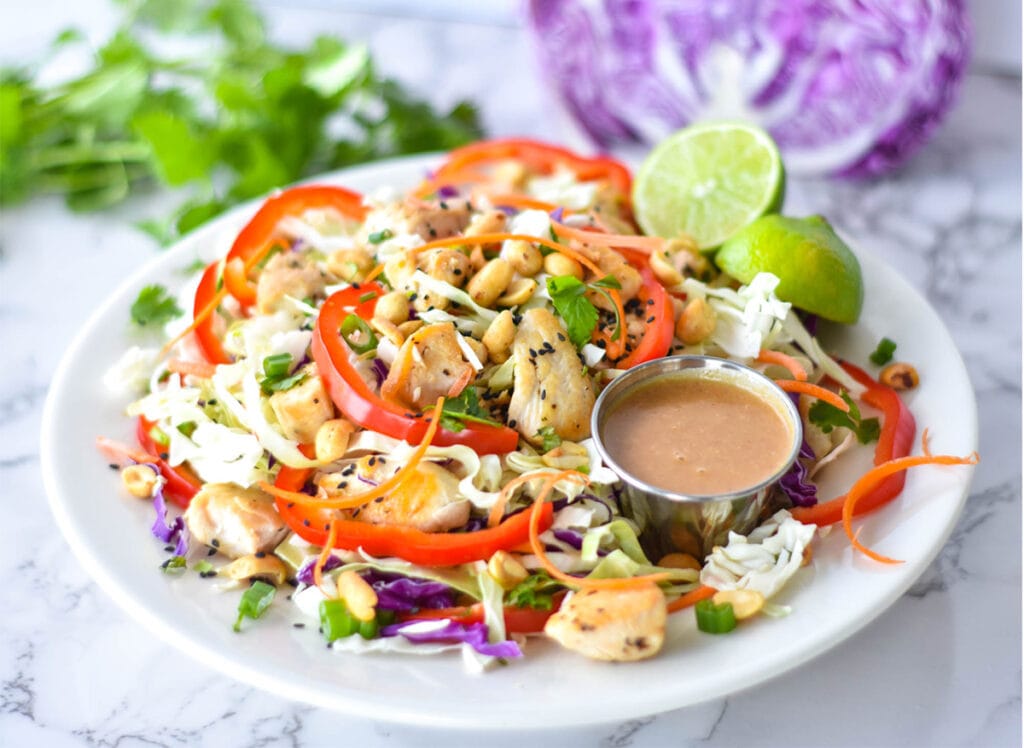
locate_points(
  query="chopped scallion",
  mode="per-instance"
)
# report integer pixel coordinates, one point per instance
(715, 619)
(255, 600)
(358, 335)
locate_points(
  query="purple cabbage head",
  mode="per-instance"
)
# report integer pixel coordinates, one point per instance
(450, 632)
(845, 88)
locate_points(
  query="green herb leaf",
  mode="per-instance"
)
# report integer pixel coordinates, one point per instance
(609, 281)
(580, 316)
(203, 566)
(883, 353)
(154, 306)
(276, 377)
(173, 565)
(464, 408)
(380, 236)
(549, 439)
(254, 602)
(827, 417)
(536, 591)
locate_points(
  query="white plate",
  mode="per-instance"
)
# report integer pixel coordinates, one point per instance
(832, 598)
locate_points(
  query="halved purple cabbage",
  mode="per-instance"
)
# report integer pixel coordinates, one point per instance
(445, 632)
(845, 88)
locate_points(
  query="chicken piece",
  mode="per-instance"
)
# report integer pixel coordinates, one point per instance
(615, 265)
(430, 219)
(615, 625)
(288, 274)
(236, 521)
(551, 389)
(304, 408)
(428, 499)
(429, 364)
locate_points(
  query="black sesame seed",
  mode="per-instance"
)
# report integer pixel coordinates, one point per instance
(650, 302)
(298, 625)
(215, 543)
(113, 466)
(260, 554)
(561, 337)
(650, 320)
(305, 522)
(211, 551)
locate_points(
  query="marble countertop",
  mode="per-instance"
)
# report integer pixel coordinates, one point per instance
(941, 667)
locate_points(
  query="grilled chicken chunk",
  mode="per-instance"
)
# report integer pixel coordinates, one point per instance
(236, 521)
(287, 274)
(429, 364)
(429, 219)
(304, 408)
(616, 625)
(427, 500)
(550, 389)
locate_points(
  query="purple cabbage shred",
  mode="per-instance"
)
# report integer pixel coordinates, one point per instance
(176, 530)
(795, 484)
(305, 574)
(570, 537)
(396, 592)
(450, 632)
(380, 371)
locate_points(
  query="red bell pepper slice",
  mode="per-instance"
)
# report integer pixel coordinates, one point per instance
(542, 157)
(181, 484)
(517, 620)
(206, 336)
(415, 546)
(657, 337)
(895, 440)
(361, 404)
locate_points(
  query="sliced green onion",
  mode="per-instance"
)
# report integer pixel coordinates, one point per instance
(368, 629)
(367, 296)
(277, 366)
(335, 620)
(255, 600)
(173, 565)
(380, 236)
(158, 436)
(883, 353)
(715, 619)
(358, 335)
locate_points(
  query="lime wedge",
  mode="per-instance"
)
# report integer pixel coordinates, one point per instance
(817, 272)
(709, 181)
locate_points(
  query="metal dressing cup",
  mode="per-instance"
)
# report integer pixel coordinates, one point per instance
(676, 522)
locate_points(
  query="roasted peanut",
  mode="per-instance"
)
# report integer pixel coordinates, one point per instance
(696, 322)
(265, 566)
(679, 561)
(490, 283)
(524, 258)
(332, 439)
(558, 264)
(488, 222)
(408, 328)
(506, 569)
(499, 336)
(358, 595)
(350, 265)
(519, 292)
(394, 307)
(478, 348)
(899, 376)
(139, 480)
(664, 270)
(449, 265)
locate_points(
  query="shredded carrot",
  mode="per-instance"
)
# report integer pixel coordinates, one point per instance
(871, 478)
(786, 362)
(205, 312)
(321, 560)
(199, 369)
(350, 502)
(806, 388)
(372, 275)
(643, 243)
(467, 376)
(520, 201)
(537, 547)
(497, 512)
(691, 598)
(567, 251)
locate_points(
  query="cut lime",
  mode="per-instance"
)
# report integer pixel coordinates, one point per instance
(709, 181)
(817, 272)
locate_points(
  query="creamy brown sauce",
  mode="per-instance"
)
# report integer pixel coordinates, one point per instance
(696, 435)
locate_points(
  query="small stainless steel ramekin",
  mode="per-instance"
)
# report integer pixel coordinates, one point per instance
(694, 524)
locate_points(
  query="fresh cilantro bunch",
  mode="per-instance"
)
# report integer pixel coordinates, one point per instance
(232, 121)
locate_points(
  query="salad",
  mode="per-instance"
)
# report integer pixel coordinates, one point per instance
(378, 411)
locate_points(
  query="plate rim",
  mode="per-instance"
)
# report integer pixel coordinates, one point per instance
(370, 708)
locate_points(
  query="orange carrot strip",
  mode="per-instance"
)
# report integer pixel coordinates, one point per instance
(806, 388)
(497, 512)
(205, 312)
(786, 362)
(384, 488)
(691, 598)
(199, 369)
(321, 560)
(872, 477)
(372, 275)
(537, 547)
(643, 243)
(520, 201)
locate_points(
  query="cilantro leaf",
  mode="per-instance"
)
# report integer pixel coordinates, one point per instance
(536, 591)
(828, 417)
(154, 306)
(549, 439)
(464, 408)
(883, 353)
(579, 314)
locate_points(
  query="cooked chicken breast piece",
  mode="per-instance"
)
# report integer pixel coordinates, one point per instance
(427, 500)
(550, 386)
(304, 408)
(615, 625)
(434, 219)
(236, 521)
(287, 274)
(429, 364)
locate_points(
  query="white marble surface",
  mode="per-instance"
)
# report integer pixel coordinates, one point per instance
(942, 667)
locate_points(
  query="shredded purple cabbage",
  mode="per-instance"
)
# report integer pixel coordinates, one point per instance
(557, 213)
(175, 531)
(445, 632)
(569, 537)
(795, 484)
(305, 574)
(396, 592)
(367, 481)
(446, 190)
(380, 371)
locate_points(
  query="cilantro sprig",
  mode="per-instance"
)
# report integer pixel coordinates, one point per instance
(154, 306)
(568, 294)
(536, 591)
(466, 408)
(828, 417)
(235, 119)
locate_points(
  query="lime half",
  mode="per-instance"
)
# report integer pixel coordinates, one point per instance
(709, 181)
(816, 270)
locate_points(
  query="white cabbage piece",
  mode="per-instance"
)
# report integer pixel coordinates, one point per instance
(748, 319)
(563, 188)
(763, 561)
(131, 372)
(269, 334)
(531, 223)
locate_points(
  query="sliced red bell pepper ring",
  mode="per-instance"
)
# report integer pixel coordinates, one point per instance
(181, 485)
(415, 546)
(658, 332)
(206, 336)
(538, 155)
(896, 440)
(361, 404)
